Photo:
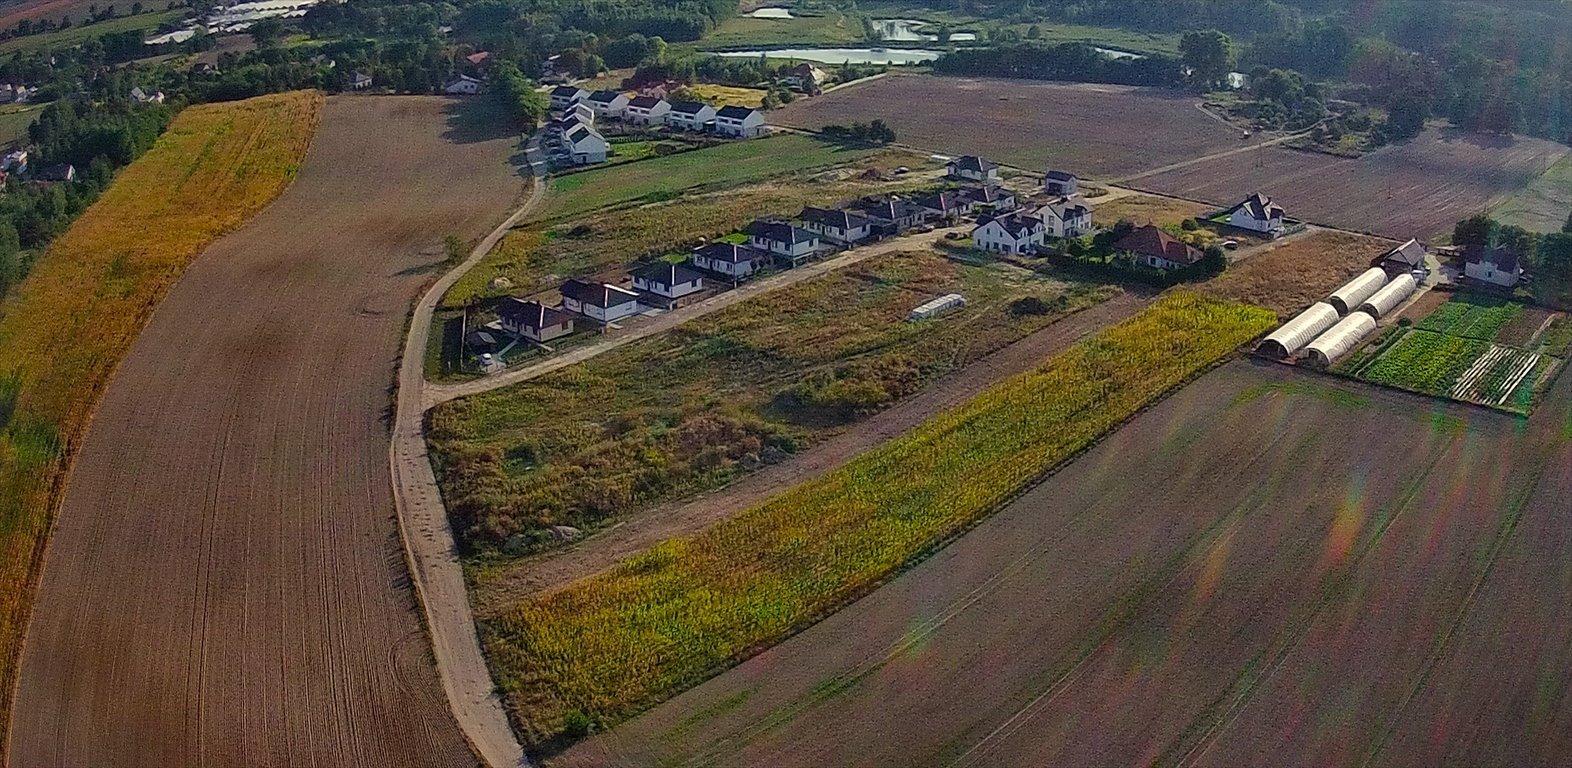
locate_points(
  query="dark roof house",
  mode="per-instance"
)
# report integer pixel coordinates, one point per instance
(596, 294)
(830, 217)
(1405, 258)
(666, 274)
(1260, 207)
(530, 314)
(730, 253)
(644, 102)
(973, 163)
(688, 107)
(735, 112)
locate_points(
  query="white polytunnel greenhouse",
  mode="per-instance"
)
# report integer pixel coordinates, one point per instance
(1298, 332)
(938, 306)
(1355, 291)
(1343, 337)
(1388, 298)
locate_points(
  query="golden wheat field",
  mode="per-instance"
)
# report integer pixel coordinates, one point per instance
(612, 645)
(71, 321)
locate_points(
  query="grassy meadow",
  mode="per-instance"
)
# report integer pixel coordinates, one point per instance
(1542, 206)
(612, 645)
(79, 34)
(694, 408)
(68, 325)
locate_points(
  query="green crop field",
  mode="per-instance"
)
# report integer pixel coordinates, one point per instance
(1471, 316)
(694, 408)
(717, 167)
(1425, 361)
(1542, 206)
(614, 644)
(80, 34)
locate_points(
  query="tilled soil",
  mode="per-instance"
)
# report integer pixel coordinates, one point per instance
(1267, 568)
(225, 584)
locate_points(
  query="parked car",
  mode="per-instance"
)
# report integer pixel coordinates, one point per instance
(924, 229)
(952, 235)
(901, 169)
(1230, 244)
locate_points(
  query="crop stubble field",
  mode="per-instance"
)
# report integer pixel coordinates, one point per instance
(70, 323)
(225, 584)
(1311, 572)
(1415, 189)
(1092, 130)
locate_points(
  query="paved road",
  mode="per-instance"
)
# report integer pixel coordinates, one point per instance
(428, 538)
(437, 394)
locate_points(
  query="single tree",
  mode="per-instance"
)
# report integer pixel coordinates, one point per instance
(1209, 54)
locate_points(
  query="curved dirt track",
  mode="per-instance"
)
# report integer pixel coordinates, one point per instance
(226, 585)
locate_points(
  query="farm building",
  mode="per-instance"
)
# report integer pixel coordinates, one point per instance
(973, 168)
(671, 281)
(1390, 296)
(836, 226)
(610, 104)
(462, 85)
(564, 96)
(358, 81)
(1494, 265)
(740, 122)
(890, 214)
(1403, 259)
(1010, 233)
(533, 320)
(1067, 216)
(1299, 331)
(1258, 214)
(57, 172)
(731, 260)
(939, 306)
(599, 301)
(1061, 183)
(782, 239)
(1157, 249)
(1354, 292)
(690, 116)
(1340, 340)
(805, 76)
(996, 199)
(647, 110)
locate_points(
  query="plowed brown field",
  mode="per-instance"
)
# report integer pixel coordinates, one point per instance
(1416, 189)
(225, 584)
(1093, 130)
(1265, 569)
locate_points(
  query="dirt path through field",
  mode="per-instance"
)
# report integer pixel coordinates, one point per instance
(226, 584)
(558, 568)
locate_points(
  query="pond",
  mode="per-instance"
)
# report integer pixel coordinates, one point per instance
(843, 55)
(911, 31)
(771, 13)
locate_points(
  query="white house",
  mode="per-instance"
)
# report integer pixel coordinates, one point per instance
(463, 85)
(612, 104)
(143, 97)
(1258, 214)
(805, 76)
(647, 110)
(14, 162)
(672, 281)
(599, 301)
(729, 259)
(360, 81)
(1061, 183)
(1068, 216)
(739, 122)
(782, 239)
(1010, 233)
(564, 96)
(579, 111)
(690, 116)
(973, 168)
(586, 145)
(1494, 265)
(890, 214)
(533, 320)
(836, 226)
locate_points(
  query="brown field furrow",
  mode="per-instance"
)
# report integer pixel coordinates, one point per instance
(226, 585)
(1258, 571)
(1414, 189)
(1094, 130)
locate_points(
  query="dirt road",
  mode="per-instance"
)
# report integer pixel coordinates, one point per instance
(436, 394)
(226, 584)
(599, 552)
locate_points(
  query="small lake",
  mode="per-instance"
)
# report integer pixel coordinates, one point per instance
(912, 31)
(771, 13)
(842, 55)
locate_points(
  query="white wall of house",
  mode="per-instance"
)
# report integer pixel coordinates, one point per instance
(990, 176)
(838, 234)
(794, 250)
(728, 268)
(992, 236)
(1061, 187)
(603, 314)
(669, 291)
(1072, 226)
(539, 334)
(613, 109)
(1242, 219)
(590, 149)
(690, 122)
(463, 87)
(563, 102)
(655, 115)
(1488, 272)
(748, 127)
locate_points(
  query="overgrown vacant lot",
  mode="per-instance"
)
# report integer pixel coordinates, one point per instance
(1416, 189)
(614, 644)
(693, 409)
(1093, 130)
(1145, 209)
(1542, 206)
(1260, 543)
(538, 256)
(72, 320)
(1293, 274)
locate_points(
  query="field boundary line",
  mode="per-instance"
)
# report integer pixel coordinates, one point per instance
(430, 551)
